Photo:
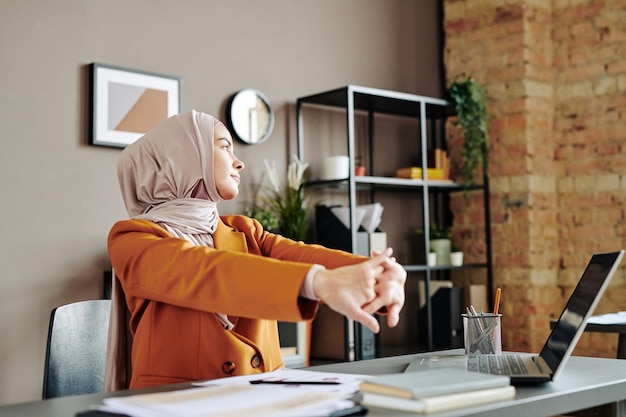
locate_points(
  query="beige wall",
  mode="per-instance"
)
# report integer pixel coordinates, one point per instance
(60, 195)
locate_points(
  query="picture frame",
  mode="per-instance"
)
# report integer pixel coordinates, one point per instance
(126, 103)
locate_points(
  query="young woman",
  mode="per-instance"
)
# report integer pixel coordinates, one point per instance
(205, 292)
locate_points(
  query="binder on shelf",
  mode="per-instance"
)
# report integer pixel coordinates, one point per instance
(330, 338)
(294, 343)
(366, 242)
(366, 343)
(446, 318)
(335, 337)
(332, 233)
(476, 295)
(329, 231)
(434, 287)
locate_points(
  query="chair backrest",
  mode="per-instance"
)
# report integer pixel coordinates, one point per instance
(76, 349)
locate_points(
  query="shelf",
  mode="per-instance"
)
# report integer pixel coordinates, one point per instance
(405, 182)
(382, 101)
(423, 268)
(393, 182)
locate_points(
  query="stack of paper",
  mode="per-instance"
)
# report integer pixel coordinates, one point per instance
(373, 216)
(285, 392)
(343, 214)
(435, 390)
(231, 400)
(611, 318)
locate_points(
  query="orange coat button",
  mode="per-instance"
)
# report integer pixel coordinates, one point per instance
(256, 361)
(228, 367)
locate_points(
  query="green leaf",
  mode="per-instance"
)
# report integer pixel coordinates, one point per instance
(470, 100)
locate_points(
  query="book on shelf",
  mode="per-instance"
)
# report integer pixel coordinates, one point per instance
(435, 390)
(416, 173)
(438, 167)
(438, 158)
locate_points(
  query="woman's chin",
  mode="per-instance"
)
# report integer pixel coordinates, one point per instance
(229, 194)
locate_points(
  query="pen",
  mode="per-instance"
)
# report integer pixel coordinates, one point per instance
(99, 413)
(479, 321)
(292, 382)
(357, 410)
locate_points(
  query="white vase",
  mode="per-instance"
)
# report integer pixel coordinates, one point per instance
(456, 258)
(432, 258)
(442, 248)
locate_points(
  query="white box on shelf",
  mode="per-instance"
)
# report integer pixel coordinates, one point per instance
(367, 242)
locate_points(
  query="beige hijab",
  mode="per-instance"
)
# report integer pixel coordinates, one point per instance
(158, 175)
(159, 172)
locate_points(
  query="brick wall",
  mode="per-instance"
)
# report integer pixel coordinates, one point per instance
(555, 75)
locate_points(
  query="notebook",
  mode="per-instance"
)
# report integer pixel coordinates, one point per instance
(544, 367)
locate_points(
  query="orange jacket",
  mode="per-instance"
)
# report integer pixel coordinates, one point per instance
(174, 288)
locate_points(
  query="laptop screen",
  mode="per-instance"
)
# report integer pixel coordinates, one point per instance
(579, 307)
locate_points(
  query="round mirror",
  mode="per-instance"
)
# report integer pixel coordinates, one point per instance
(250, 116)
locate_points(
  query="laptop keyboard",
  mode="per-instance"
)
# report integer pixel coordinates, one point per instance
(497, 364)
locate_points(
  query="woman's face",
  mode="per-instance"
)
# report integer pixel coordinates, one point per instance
(226, 166)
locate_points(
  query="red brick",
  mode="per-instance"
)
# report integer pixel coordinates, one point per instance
(616, 67)
(579, 139)
(461, 26)
(508, 14)
(582, 11)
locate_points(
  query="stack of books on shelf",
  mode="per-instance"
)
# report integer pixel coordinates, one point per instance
(435, 390)
(438, 167)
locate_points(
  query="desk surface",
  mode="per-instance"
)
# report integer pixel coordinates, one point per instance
(584, 383)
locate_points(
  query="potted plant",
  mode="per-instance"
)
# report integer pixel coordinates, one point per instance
(440, 242)
(286, 208)
(359, 168)
(432, 257)
(268, 220)
(456, 255)
(470, 101)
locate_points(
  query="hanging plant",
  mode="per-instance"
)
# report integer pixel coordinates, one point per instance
(470, 101)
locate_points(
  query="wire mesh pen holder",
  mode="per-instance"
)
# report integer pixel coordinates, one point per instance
(482, 333)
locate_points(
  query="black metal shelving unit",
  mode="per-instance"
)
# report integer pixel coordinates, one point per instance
(373, 101)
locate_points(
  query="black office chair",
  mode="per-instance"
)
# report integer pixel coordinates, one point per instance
(76, 349)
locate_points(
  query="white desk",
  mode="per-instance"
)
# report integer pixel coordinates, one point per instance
(584, 383)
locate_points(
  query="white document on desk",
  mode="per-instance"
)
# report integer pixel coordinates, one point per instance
(346, 383)
(236, 396)
(610, 318)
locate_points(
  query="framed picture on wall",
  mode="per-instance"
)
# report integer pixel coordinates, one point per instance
(127, 103)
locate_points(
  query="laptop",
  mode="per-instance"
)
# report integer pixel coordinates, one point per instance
(533, 368)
